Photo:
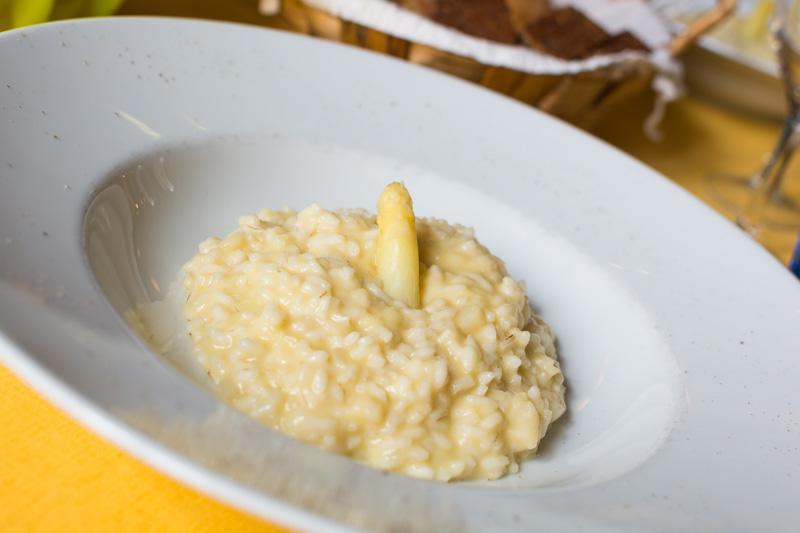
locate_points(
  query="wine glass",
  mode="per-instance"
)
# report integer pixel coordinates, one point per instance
(760, 201)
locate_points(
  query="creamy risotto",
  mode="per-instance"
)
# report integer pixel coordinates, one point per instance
(289, 319)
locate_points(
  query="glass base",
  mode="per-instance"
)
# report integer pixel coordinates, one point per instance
(733, 194)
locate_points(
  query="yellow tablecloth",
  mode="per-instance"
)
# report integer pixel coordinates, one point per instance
(57, 476)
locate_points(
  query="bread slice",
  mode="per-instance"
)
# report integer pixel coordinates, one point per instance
(621, 42)
(566, 33)
(524, 12)
(487, 19)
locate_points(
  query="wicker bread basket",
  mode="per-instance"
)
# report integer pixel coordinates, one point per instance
(580, 97)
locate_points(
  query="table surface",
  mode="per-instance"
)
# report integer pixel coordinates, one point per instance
(56, 475)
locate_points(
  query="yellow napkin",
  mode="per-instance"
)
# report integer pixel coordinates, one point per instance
(57, 476)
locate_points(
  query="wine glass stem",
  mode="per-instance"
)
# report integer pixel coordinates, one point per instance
(768, 180)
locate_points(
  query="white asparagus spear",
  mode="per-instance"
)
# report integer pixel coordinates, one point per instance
(397, 252)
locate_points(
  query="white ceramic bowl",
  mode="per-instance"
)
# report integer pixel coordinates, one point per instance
(125, 142)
